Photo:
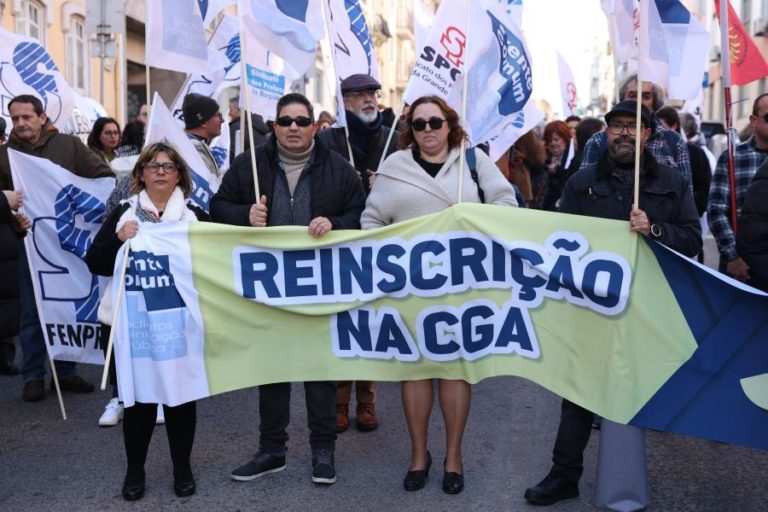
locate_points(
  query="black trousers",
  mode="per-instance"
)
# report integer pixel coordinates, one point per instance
(138, 425)
(572, 438)
(275, 410)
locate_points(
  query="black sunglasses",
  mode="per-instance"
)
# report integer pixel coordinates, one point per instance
(300, 121)
(421, 124)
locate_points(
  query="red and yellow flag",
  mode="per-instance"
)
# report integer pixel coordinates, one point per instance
(747, 63)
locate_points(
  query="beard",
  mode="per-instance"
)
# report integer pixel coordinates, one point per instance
(365, 116)
(622, 154)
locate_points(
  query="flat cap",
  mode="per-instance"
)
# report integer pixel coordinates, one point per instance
(359, 82)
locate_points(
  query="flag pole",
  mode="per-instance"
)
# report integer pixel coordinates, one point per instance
(339, 100)
(249, 120)
(36, 291)
(389, 136)
(725, 70)
(462, 156)
(115, 315)
(149, 91)
(638, 137)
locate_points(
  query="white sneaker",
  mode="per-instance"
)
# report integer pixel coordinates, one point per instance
(112, 414)
(160, 420)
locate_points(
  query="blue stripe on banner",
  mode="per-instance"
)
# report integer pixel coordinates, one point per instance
(672, 11)
(704, 397)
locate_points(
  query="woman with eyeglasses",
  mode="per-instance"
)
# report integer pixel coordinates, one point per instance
(104, 138)
(160, 186)
(420, 179)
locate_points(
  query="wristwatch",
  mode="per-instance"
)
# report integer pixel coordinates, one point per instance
(655, 231)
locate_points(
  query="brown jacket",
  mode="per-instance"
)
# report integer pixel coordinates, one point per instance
(65, 150)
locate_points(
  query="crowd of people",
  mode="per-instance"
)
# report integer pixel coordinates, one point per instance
(325, 178)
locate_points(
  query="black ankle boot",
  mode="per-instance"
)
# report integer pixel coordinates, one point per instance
(183, 483)
(133, 487)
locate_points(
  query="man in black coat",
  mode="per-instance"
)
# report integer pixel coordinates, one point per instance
(301, 183)
(666, 213)
(368, 133)
(13, 225)
(752, 237)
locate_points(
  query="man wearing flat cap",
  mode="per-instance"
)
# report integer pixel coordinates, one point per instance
(202, 123)
(367, 138)
(666, 213)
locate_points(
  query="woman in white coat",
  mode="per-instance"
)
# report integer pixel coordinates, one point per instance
(420, 179)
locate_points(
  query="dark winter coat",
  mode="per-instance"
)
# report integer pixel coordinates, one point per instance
(336, 192)
(665, 196)
(9, 284)
(752, 238)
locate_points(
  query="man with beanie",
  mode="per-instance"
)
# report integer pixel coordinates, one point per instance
(666, 213)
(202, 123)
(302, 183)
(367, 137)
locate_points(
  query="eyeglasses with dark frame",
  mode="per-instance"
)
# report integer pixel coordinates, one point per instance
(617, 128)
(286, 121)
(154, 167)
(434, 123)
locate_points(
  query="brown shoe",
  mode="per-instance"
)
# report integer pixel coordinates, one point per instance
(34, 391)
(74, 384)
(342, 418)
(366, 417)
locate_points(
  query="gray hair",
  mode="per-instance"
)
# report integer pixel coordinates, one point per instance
(659, 94)
(688, 124)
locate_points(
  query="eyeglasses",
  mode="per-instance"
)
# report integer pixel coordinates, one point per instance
(421, 124)
(373, 93)
(301, 121)
(154, 167)
(616, 128)
(111, 134)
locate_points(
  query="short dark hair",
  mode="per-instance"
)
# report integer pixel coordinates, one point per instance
(756, 104)
(670, 116)
(133, 134)
(94, 140)
(572, 118)
(292, 98)
(149, 152)
(37, 105)
(455, 135)
(586, 129)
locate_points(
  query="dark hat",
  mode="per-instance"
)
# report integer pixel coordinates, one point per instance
(359, 82)
(197, 109)
(629, 108)
(2, 127)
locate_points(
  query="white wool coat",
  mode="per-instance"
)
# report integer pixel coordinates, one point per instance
(403, 190)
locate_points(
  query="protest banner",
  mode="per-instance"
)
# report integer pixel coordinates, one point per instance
(573, 303)
(66, 212)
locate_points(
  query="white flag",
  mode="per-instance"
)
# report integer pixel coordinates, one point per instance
(568, 91)
(623, 19)
(175, 37)
(27, 68)
(500, 80)
(267, 77)
(220, 150)
(160, 358)
(67, 212)
(423, 19)
(164, 128)
(673, 48)
(224, 45)
(289, 30)
(209, 9)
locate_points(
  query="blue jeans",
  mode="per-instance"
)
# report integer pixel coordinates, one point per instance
(31, 338)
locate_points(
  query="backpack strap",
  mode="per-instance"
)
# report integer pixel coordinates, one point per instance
(472, 165)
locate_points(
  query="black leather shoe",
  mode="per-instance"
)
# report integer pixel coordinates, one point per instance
(133, 488)
(415, 480)
(551, 490)
(184, 488)
(453, 483)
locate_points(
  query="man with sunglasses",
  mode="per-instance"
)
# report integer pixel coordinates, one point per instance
(202, 124)
(34, 134)
(666, 146)
(367, 138)
(666, 213)
(302, 183)
(748, 156)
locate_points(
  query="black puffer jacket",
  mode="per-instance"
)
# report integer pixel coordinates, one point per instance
(752, 239)
(336, 192)
(665, 196)
(9, 270)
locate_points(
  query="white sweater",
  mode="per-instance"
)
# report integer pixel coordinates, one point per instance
(403, 190)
